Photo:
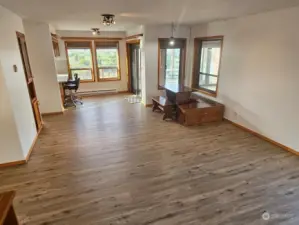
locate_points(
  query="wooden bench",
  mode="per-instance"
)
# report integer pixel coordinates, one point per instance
(200, 110)
(163, 104)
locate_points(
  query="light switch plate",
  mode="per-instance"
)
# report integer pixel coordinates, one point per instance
(15, 68)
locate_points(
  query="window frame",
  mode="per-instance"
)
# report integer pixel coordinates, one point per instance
(92, 59)
(197, 62)
(118, 78)
(182, 63)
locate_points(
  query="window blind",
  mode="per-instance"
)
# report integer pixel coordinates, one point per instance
(79, 44)
(106, 44)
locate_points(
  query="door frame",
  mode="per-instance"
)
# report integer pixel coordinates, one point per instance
(30, 82)
(183, 54)
(128, 60)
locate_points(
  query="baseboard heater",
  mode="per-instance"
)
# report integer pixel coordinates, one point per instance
(96, 92)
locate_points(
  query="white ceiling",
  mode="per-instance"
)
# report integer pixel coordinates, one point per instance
(84, 14)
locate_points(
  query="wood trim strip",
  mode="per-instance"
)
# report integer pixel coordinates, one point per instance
(15, 163)
(205, 92)
(52, 113)
(263, 137)
(134, 36)
(33, 144)
(91, 38)
(128, 64)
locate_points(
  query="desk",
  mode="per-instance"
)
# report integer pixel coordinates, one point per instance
(62, 78)
(177, 94)
(7, 212)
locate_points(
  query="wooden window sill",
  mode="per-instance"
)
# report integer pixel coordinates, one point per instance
(206, 92)
(109, 79)
(86, 81)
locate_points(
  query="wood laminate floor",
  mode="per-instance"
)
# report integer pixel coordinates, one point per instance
(115, 163)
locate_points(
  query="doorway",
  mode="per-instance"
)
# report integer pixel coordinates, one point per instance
(134, 65)
(171, 65)
(29, 79)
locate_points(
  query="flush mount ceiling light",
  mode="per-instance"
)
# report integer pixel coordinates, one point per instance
(108, 19)
(95, 31)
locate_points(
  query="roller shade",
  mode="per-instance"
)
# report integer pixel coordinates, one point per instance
(106, 44)
(179, 43)
(79, 44)
(211, 44)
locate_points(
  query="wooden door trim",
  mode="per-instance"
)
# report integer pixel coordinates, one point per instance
(128, 60)
(134, 36)
(183, 65)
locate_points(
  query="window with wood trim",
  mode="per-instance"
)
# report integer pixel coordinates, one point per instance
(107, 59)
(79, 55)
(207, 58)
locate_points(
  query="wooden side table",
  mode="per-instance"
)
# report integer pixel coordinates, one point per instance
(7, 212)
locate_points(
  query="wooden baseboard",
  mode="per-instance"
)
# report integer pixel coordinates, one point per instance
(264, 138)
(52, 113)
(104, 94)
(148, 105)
(33, 144)
(15, 163)
(20, 162)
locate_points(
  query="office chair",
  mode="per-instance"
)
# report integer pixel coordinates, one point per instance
(73, 86)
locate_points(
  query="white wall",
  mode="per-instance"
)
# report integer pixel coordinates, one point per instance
(134, 30)
(121, 85)
(40, 50)
(10, 149)
(17, 130)
(259, 72)
(151, 35)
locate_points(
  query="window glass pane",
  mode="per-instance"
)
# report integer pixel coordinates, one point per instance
(79, 58)
(210, 57)
(107, 57)
(208, 82)
(82, 74)
(172, 65)
(108, 73)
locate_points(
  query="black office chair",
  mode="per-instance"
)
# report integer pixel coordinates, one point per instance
(72, 86)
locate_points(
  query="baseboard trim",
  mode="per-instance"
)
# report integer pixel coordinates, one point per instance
(148, 105)
(15, 163)
(33, 144)
(264, 137)
(52, 113)
(104, 94)
(20, 162)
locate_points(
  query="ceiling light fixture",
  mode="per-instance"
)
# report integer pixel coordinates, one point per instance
(108, 19)
(95, 31)
(172, 39)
